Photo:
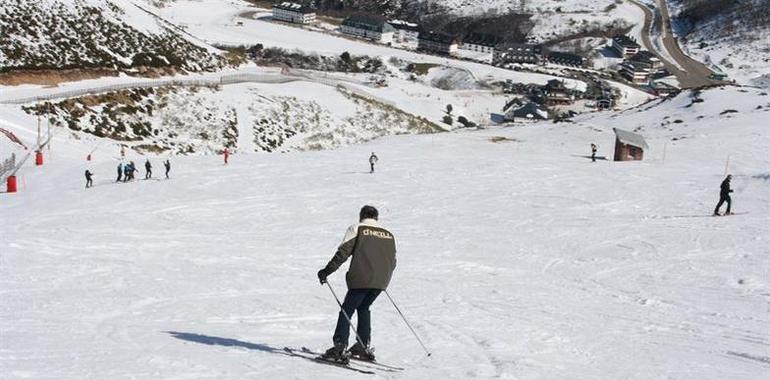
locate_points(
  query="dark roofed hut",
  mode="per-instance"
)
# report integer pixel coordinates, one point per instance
(629, 146)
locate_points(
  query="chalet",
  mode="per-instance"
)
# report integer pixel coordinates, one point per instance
(437, 42)
(405, 31)
(517, 53)
(629, 146)
(520, 110)
(367, 26)
(565, 59)
(635, 73)
(555, 93)
(625, 46)
(646, 59)
(294, 13)
(480, 42)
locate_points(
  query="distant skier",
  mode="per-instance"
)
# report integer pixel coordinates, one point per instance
(148, 169)
(167, 165)
(120, 172)
(131, 171)
(227, 155)
(373, 249)
(126, 172)
(724, 196)
(593, 152)
(89, 179)
(373, 160)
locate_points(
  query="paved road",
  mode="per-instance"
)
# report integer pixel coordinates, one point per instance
(688, 71)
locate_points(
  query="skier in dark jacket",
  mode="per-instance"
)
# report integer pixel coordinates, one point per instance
(372, 160)
(724, 196)
(120, 172)
(593, 152)
(89, 180)
(126, 172)
(167, 165)
(373, 251)
(148, 169)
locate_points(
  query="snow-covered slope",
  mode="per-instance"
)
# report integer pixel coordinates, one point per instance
(103, 34)
(518, 258)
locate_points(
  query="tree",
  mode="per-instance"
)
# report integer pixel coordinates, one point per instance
(449, 109)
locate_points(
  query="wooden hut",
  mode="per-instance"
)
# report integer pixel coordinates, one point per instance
(629, 146)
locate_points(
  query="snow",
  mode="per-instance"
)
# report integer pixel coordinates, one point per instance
(517, 258)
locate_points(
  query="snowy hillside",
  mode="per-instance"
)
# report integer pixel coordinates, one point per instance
(733, 35)
(517, 256)
(94, 34)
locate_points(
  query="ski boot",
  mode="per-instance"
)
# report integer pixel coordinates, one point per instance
(336, 354)
(362, 353)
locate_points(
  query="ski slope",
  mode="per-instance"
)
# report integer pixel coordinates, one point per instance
(517, 258)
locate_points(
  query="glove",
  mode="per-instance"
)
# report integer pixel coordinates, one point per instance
(322, 274)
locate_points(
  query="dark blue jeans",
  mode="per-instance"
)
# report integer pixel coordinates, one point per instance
(357, 300)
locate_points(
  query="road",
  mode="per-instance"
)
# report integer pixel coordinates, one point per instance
(688, 71)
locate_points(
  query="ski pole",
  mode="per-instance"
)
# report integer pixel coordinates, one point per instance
(407, 323)
(350, 322)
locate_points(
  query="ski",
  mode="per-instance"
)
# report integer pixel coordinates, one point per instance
(372, 364)
(316, 359)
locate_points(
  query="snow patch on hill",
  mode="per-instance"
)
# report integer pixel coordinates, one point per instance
(62, 34)
(184, 120)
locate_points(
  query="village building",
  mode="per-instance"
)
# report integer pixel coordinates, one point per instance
(635, 73)
(625, 46)
(517, 53)
(405, 31)
(294, 13)
(437, 42)
(565, 59)
(629, 146)
(664, 89)
(717, 74)
(555, 93)
(648, 60)
(518, 110)
(480, 42)
(370, 27)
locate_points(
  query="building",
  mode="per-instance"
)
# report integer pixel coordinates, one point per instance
(294, 13)
(635, 73)
(521, 110)
(664, 89)
(555, 93)
(517, 53)
(625, 46)
(646, 59)
(717, 74)
(370, 27)
(405, 31)
(436, 42)
(565, 59)
(629, 146)
(480, 42)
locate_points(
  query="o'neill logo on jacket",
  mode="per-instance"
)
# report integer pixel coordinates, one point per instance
(379, 234)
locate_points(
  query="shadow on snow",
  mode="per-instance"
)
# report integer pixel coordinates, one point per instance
(227, 342)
